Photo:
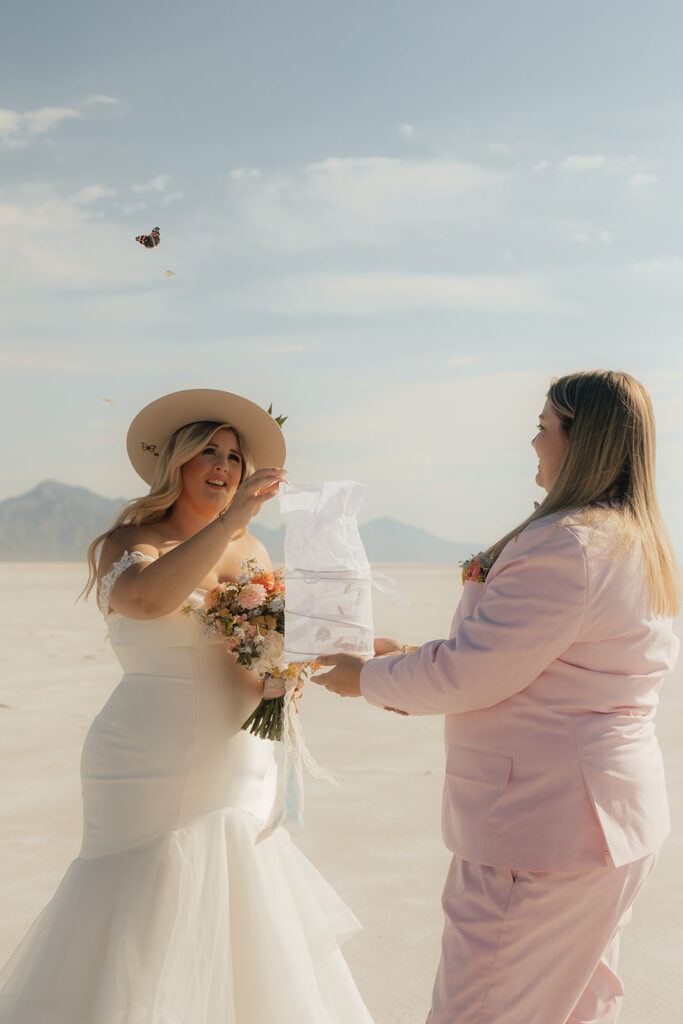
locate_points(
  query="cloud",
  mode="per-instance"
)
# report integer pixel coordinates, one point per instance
(154, 187)
(463, 361)
(539, 166)
(99, 98)
(279, 350)
(381, 292)
(664, 274)
(158, 184)
(57, 244)
(17, 130)
(76, 358)
(10, 121)
(357, 200)
(10, 130)
(91, 193)
(171, 197)
(578, 162)
(643, 178)
(407, 130)
(588, 234)
(39, 121)
(240, 173)
(499, 147)
(134, 207)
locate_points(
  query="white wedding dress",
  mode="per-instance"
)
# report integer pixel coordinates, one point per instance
(172, 914)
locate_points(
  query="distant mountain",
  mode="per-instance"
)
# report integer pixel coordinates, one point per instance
(388, 540)
(55, 523)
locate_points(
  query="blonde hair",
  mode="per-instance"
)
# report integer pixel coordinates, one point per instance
(166, 486)
(608, 419)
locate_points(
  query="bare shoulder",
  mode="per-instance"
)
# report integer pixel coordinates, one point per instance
(127, 539)
(250, 547)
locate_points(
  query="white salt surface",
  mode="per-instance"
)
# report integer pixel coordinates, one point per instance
(377, 838)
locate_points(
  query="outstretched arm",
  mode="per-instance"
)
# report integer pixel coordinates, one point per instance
(148, 590)
(530, 612)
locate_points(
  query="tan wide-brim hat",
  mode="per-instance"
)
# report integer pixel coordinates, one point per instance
(154, 425)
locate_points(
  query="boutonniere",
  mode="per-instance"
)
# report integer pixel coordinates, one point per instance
(475, 569)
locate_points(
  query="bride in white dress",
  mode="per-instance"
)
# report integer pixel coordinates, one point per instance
(172, 914)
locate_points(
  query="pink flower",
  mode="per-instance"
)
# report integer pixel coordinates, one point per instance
(232, 643)
(251, 596)
(474, 569)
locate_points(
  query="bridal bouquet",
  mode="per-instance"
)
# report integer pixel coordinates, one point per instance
(250, 617)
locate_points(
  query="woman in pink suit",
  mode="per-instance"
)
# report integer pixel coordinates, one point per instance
(555, 803)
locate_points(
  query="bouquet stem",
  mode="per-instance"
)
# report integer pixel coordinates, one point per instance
(267, 721)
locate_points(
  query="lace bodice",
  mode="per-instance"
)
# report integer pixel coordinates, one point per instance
(127, 559)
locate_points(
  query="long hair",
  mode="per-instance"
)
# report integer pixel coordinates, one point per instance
(609, 422)
(181, 446)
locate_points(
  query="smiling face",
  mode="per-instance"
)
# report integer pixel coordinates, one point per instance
(550, 444)
(211, 477)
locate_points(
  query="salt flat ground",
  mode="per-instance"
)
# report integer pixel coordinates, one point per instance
(376, 839)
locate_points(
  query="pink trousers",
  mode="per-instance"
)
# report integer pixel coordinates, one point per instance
(526, 947)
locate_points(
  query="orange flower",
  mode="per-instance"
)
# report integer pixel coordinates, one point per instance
(266, 579)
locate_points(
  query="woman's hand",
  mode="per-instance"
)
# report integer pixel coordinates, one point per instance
(250, 497)
(385, 645)
(344, 678)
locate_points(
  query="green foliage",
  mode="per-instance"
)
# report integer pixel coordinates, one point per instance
(278, 419)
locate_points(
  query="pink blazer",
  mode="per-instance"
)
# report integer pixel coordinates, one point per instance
(549, 684)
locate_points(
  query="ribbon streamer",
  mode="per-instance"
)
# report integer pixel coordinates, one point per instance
(289, 804)
(391, 590)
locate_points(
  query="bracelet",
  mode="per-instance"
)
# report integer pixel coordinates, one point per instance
(221, 516)
(407, 649)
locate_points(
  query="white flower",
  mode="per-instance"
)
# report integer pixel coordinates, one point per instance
(270, 653)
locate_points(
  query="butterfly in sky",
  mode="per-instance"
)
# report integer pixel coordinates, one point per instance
(150, 240)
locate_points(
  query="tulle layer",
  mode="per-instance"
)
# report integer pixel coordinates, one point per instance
(200, 927)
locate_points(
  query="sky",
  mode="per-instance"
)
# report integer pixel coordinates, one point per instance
(395, 220)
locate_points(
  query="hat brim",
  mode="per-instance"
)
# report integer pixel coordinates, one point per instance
(153, 426)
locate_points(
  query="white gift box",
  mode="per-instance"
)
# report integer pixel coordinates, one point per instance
(328, 603)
